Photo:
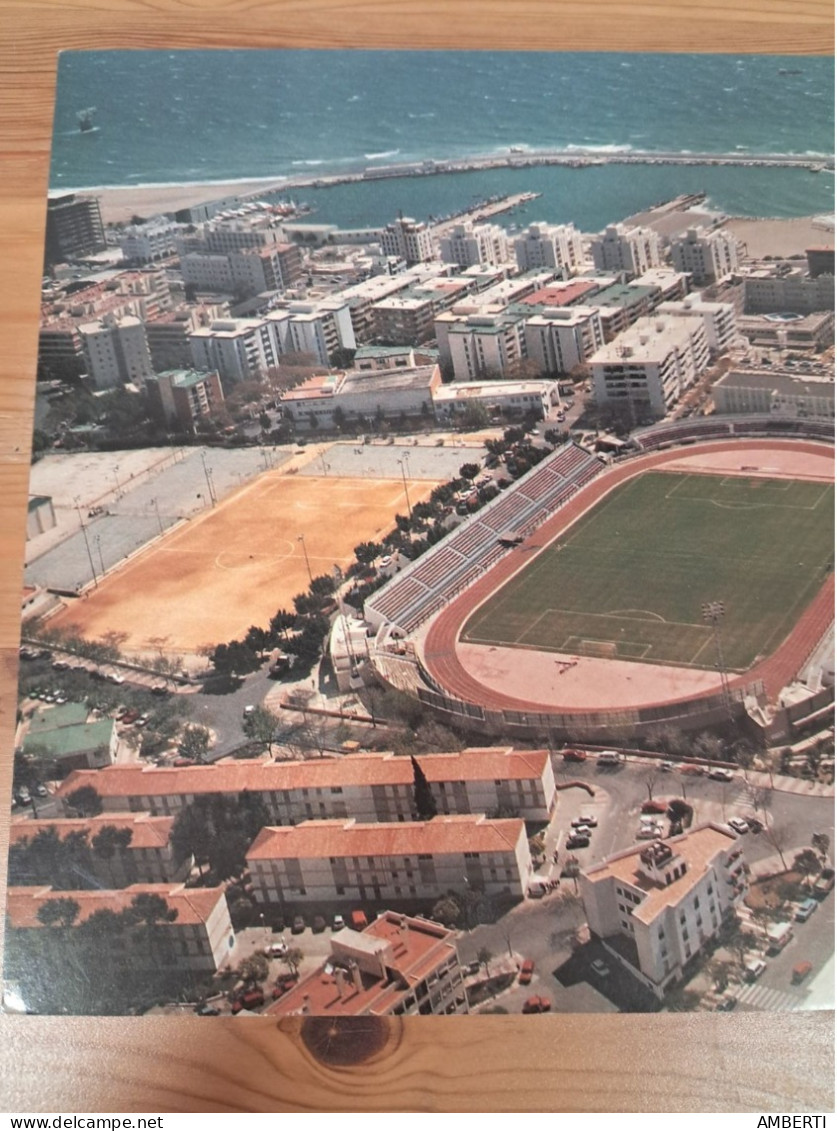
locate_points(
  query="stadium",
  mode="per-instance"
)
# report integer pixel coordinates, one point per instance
(685, 584)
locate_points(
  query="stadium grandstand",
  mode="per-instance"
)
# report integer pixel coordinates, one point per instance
(723, 427)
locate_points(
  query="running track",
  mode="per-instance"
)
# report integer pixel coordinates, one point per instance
(779, 669)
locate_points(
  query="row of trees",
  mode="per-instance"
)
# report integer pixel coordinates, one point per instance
(70, 862)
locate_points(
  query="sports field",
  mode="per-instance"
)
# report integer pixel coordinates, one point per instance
(236, 564)
(629, 579)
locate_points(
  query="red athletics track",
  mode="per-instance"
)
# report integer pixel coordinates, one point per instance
(439, 650)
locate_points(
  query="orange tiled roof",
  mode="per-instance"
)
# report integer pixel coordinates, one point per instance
(147, 831)
(473, 764)
(193, 905)
(441, 836)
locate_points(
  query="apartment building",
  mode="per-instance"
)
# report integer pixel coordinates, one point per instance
(368, 787)
(74, 228)
(647, 368)
(63, 736)
(770, 290)
(147, 858)
(708, 256)
(181, 397)
(655, 907)
(200, 938)
(484, 343)
(630, 250)
(116, 351)
(396, 966)
(562, 337)
(238, 349)
(557, 246)
(334, 862)
(317, 328)
(408, 239)
(621, 304)
(407, 318)
(148, 242)
(718, 319)
(469, 244)
(167, 333)
(244, 273)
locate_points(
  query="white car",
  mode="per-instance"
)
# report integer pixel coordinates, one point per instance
(649, 832)
(738, 825)
(721, 775)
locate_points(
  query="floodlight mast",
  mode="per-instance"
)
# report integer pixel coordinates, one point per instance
(713, 613)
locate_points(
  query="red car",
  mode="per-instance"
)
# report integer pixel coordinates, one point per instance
(654, 806)
(283, 984)
(537, 1004)
(250, 999)
(574, 756)
(526, 971)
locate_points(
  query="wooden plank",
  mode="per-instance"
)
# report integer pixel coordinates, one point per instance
(598, 1063)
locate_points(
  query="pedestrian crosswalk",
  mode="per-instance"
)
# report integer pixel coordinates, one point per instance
(764, 998)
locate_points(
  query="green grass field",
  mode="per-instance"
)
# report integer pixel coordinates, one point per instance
(629, 579)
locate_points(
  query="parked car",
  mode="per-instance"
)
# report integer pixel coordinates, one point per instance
(159, 689)
(250, 999)
(609, 758)
(115, 677)
(577, 841)
(537, 1004)
(800, 972)
(691, 768)
(277, 949)
(527, 969)
(23, 795)
(590, 822)
(60, 665)
(726, 1004)
(358, 920)
(654, 806)
(575, 756)
(338, 923)
(824, 883)
(720, 774)
(755, 825)
(318, 925)
(649, 832)
(599, 967)
(41, 790)
(666, 767)
(207, 1010)
(283, 984)
(753, 969)
(738, 825)
(298, 925)
(805, 910)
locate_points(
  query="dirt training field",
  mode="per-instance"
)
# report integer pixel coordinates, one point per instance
(234, 566)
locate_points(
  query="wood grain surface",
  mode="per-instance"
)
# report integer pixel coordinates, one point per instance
(677, 1062)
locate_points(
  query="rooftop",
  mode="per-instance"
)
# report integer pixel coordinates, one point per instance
(146, 831)
(440, 836)
(561, 294)
(193, 905)
(791, 384)
(473, 764)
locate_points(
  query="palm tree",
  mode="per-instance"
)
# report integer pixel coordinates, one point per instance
(109, 842)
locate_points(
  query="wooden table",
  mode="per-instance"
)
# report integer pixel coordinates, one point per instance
(686, 1062)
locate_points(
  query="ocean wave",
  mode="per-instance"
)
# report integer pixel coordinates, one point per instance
(596, 149)
(383, 154)
(312, 162)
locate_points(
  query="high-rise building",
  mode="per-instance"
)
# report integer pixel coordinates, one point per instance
(182, 396)
(410, 239)
(73, 228)
(558, 246)
(470, 244)
(707, 256)
(630, 250)
(116, 351)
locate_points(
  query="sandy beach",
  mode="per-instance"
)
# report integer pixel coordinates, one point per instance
(118, 205)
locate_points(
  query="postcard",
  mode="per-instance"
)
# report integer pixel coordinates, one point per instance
(429, 572)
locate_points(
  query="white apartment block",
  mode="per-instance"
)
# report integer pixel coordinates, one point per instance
(344, 861)
(562, 337)
(718, 319)
(515, 398)
(632, 250)
(485, 343)
(654, 907)
(146, 243)
(766, 291)
(116, 351)
(168, 334)
(796, 396)
(200, 938)
(557, 246)
(470, 244)
(368, 787)
(316, 328)
(647, 368)
(238, 349)
(707, 256)
(408, 239)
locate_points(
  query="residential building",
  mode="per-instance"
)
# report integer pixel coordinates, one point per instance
(317, 328)
(718, 319)
(786, 394)
(148, 858)
(670, 286)
(647, 368)
(150, 241)
(820, 261)
(410, 239)
(469, 244)
(244, 273)
(558, 246)
(368, 787)
(559, 292)
(629, 250)
(73, 228)
(562, 337)
(484, 343)
(708, 256)
(334, 862)
(396, 966)
(238, 349)
(803, 333)
(62, 735)
(621, 304)
(180, 397)
(371, 359)
(510, 398)
(657, 906)
(772, 290)
(116, 351)
(168, 333)
(200, 938)
(407, 318)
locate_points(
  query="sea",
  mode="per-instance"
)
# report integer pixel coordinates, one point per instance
(171, 117)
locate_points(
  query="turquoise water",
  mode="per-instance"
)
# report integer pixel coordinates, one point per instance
(203, 116)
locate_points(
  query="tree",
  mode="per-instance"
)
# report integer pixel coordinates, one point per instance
(719, 972)
(60, 912)
(110, 841)
(650, 777)
(281, 621)
(86, 801)
(149, 912)
(425, 803)
(808, 863)
(484, 956)
(194, 742)
(254, 969)
(469, 470)
(292, 958)
(474, 416)
(821, 843)
(446, 911)
(367, 552)
(235, 658)
(261, 726)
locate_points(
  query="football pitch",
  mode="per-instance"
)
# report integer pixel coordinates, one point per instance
(629, 580)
